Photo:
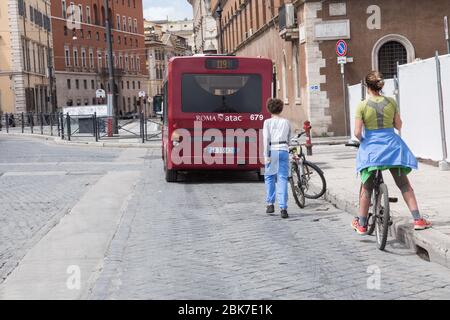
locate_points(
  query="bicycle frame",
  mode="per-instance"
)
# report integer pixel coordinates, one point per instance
(299, 159)
(378, 180)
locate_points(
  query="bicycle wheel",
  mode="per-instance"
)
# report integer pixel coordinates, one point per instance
(371, 224)
(314, 184)
(382, 216)
(296, 186)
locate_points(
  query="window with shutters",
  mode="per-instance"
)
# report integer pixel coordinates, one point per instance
(88, 14)
(67, 55)
(21, 7)
(64, 9)
(31, 14)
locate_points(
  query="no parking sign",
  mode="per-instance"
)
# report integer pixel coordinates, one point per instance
(341, 48)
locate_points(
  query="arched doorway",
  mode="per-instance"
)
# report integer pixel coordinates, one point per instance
(389, 51)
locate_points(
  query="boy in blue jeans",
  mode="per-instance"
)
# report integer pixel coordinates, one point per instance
(276, 135)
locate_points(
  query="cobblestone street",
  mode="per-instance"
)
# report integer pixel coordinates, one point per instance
(206, 237)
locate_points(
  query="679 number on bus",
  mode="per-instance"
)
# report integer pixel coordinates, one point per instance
(256, 117)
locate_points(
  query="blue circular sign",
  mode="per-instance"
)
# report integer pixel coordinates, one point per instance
(341, 48)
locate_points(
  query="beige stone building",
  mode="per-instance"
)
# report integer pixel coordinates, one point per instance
(183, 28)
(205, 26)
(161, 45)
(25, 46)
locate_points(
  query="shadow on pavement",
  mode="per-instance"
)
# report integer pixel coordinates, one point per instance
(201, 177)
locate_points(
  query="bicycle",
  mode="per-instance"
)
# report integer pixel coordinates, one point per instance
(380, 219)
(302, 174)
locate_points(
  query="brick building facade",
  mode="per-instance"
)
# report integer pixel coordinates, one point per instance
(300, 37)
(81, 51)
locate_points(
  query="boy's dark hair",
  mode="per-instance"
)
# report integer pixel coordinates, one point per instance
(275, 106)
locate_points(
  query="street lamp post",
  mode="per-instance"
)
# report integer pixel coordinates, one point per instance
(112, 93)
(219, 11)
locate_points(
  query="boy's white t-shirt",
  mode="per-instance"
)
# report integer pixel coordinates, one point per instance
(276, 130)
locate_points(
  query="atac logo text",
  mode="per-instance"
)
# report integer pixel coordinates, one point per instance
(218, 118)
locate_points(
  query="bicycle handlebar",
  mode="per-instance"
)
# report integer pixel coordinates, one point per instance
(298, 136)
(353, 144)
(301, 134)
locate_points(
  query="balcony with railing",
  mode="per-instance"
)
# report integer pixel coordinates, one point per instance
(104, 72)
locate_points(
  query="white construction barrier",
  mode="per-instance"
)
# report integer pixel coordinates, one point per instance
(420, 108)
(354, 98)
(445, 72)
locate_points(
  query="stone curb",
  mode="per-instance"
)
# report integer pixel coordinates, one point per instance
(435, 243)
(328, 142)
(58, 141)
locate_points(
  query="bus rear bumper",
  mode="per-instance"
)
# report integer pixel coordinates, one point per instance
(224, 167)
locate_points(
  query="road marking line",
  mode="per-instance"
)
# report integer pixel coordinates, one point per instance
(69, 163)
(34, 173)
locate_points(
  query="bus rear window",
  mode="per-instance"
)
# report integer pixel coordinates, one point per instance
(221, 93)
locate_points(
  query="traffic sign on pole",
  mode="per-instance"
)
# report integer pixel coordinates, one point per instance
(100, 93)
(342, 60)
(341, 48)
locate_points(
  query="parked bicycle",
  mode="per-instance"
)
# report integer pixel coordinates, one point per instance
(306, 179)
(379, 220)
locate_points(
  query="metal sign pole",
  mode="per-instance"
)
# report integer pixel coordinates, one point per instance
(443, 165)
(341, 51)
(344, 91)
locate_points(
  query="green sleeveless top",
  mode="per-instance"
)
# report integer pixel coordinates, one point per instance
(377, 112)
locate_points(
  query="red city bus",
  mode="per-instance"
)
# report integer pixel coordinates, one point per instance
(213, 113)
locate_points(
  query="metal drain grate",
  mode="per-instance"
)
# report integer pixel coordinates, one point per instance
(422, 253)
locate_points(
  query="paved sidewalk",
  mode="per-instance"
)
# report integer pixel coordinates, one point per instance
(431, 187)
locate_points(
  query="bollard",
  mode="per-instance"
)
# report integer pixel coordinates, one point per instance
(145, 126)
(7, 122)
(57, 123)
(307, 127)
(142, 127)
(69, 130)
(31, 121)
(98, 127)
(94, 126)
(42, 123)
(51, 124)
(23, 122)
(61, 119)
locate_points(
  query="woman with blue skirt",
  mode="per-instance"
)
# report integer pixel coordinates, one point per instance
(382, 148)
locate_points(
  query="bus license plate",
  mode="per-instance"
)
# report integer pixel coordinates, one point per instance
(221, 150)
